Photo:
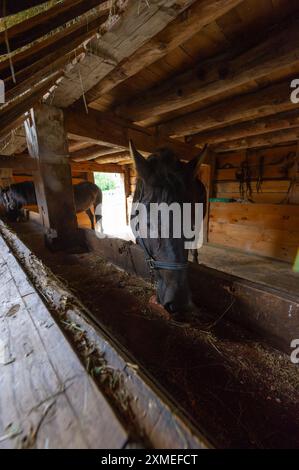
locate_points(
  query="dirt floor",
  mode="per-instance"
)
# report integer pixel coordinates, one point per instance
(239, 392)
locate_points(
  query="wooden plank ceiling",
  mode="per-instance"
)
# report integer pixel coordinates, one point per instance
(179, 73)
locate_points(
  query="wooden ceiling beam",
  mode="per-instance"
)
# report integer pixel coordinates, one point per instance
(278, 52)
(264, 140)
(101, 127)
(92, 153)
(12, 7)
(247, 129)
(265, 102)
(177, 32)
(137, 24)
(39, 25)
(92, 166)
(24, 162)
(15, 110)
(122, 158)
(44, 53)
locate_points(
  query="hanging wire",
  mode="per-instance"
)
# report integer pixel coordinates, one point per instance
(81, 83)
(12, 70)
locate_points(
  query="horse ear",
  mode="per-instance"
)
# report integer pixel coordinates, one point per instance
(194, 164)
(140, 162)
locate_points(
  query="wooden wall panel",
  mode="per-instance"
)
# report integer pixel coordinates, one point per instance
(266, 229)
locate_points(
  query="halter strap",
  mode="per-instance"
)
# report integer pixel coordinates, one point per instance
(155, 264)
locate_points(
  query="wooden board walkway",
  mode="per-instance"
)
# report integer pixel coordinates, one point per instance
(47, 399)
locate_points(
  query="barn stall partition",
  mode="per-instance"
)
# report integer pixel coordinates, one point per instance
(81, 79)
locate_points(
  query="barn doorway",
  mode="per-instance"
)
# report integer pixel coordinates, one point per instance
(114, 203)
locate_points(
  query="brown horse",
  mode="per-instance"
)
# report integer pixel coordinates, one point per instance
(86, 196)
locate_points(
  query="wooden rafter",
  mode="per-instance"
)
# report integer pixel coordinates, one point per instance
(101, 127)
(139, 23)
(12, 7)
(247, 129)
(92, 166)
(278, 52)
(12, 112)
(39, 25)
(38, 59)
(264, 102)
(92, 153)
(178, 31)
(23, 162)
(264, 140)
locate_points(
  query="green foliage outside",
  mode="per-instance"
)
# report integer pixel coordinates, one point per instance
(105, 181)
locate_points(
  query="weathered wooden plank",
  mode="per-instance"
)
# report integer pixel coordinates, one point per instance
(47, 398)
(101, 127)
(92, 153)
(47, 144)
(263, 140)
(24, 163)
(178, 31)
(281, 49)
(275, 243)
(39, 25)
(139, 23)
(264, 102)
(250, 128)
(10, 8)
(276, 186)
(15, 110)
(92, 166)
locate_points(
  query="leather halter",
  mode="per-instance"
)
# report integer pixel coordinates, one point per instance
(154, 264)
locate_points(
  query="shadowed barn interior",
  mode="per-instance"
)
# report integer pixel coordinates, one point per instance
(93, 358)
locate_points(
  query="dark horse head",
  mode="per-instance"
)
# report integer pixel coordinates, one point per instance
(163, 178)
(16, 196)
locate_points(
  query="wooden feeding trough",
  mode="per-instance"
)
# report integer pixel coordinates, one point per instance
(91, 364)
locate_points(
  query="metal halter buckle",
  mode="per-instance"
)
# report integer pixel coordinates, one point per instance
(150, 263)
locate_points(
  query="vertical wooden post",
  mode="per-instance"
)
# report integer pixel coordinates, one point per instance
(127, 190)
(47, 143)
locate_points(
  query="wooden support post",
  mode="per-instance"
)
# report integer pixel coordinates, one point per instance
(47, 144)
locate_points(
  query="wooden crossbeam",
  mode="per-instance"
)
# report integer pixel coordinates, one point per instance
(264, 102)
(139, 23)
(247, 129)
(101, 127)
(92, 166)
(33, 63)
(12, 7)
(23, 162)
(177, 32)
(120, 158)
(91, 153)
(39, 25)
(264, 140)
(277, 52)
(15, 110)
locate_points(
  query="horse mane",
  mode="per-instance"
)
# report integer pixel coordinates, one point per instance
(166, 181)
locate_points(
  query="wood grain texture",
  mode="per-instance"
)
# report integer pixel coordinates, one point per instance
(178, 31)
(264, 102)
(266, 229)
(138, 24)
(47, 399)
(100, 127)
(279, 51)
(39, 25)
